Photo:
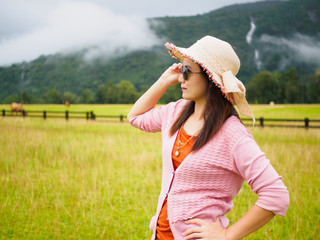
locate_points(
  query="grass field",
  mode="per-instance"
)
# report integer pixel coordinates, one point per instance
(92, 180)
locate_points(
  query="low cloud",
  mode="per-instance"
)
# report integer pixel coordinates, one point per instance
(66, 26)
(302, 48)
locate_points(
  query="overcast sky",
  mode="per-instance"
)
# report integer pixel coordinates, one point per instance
(30, 28)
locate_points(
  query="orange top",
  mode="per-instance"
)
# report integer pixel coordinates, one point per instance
(163, 227)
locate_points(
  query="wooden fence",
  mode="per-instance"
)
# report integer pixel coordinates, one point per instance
(277, 122)
(262, 122)
(60, 114)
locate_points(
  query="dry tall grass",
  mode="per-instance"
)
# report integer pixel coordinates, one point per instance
(89, 180)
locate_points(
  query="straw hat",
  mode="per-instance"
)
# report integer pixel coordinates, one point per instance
(221, 63)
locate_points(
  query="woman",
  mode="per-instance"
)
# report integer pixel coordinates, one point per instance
(207, 152)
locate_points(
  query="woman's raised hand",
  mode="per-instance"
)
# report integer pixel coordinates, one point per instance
(171, 75)
(150, 98)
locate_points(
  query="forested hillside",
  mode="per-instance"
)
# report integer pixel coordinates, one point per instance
(283, 47)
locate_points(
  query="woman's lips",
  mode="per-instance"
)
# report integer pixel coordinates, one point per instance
(183, 88)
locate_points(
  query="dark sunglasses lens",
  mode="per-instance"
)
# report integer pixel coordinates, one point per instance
(184, 72)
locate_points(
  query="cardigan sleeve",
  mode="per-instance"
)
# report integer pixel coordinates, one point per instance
(152, 120)
(263, 179)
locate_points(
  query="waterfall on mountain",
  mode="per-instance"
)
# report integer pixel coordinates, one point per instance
(249, 41)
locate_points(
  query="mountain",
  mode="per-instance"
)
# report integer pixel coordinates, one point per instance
(278, 24)
(270, 35)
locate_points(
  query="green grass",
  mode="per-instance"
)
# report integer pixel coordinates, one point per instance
(91, 180)
(98, 109)
(294, 111)
(76, 180)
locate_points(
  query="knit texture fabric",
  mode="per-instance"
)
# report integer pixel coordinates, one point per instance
(205, 183)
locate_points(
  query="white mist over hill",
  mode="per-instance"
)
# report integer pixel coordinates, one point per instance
(32, 28)
(300, 48)
(69, 26)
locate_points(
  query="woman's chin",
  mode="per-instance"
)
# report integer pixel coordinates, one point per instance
(185, 96)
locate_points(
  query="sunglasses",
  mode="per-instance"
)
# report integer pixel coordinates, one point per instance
(185, 72)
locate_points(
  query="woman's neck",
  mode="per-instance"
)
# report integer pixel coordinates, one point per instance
(199, 109)
(196, 120)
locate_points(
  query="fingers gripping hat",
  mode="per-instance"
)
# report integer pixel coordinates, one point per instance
(221, 63)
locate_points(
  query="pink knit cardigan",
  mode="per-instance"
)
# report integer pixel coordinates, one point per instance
(205, 183)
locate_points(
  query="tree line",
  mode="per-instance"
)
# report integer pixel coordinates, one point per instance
(286, 87)
(123, 92)
(110, 93)
(264, 87)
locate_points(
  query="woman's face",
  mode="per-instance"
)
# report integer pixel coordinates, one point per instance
(195, 87)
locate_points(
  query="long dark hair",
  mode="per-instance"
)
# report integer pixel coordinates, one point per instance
(218, 110)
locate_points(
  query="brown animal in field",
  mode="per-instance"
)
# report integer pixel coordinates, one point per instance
(67, 103)
(16, 107)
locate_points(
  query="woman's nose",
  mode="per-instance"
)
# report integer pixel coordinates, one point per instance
(181, 79)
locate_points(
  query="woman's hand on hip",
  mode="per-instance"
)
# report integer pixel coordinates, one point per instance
(171, 75)
(206, 230)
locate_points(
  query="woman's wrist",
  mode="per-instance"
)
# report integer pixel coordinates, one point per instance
(228, 235)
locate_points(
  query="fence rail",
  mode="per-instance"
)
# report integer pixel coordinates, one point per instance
(90, 115)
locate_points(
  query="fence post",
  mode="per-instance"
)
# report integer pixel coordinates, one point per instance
(67, 114)
(306, 122)
(121, 118)
(44, 115)
(261, 122)
(3, 113)
(87, 115)
(93, 117)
